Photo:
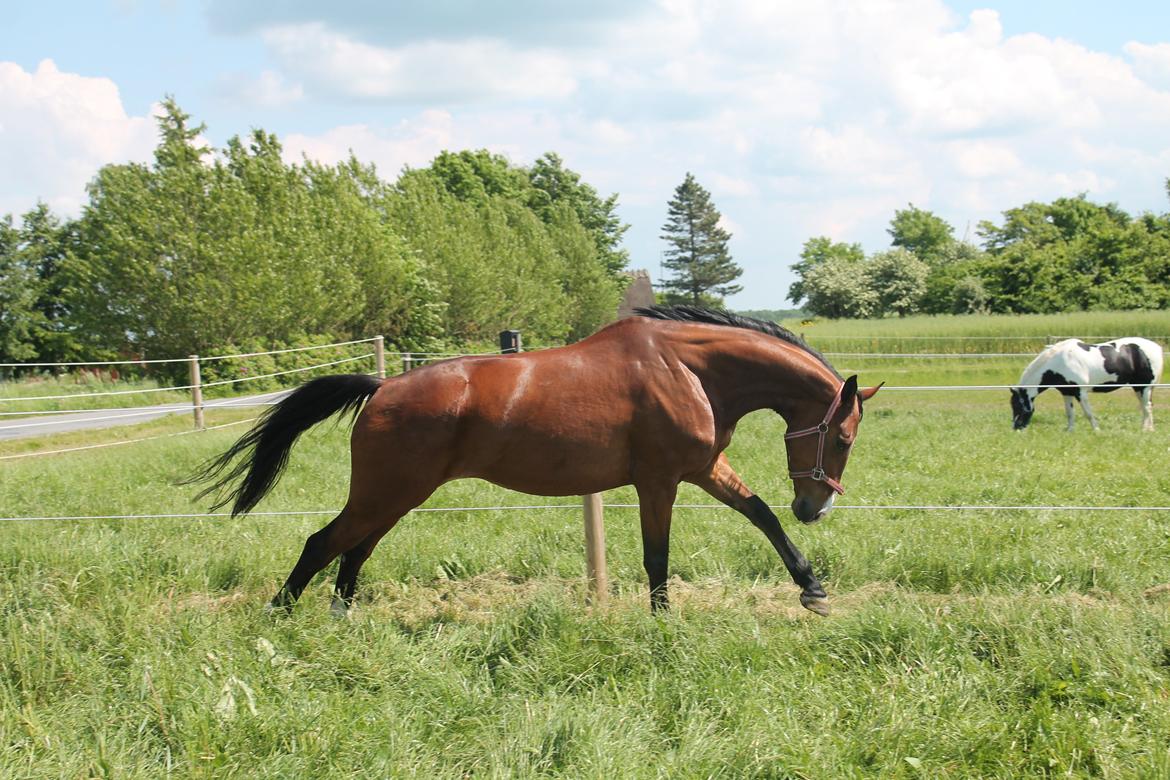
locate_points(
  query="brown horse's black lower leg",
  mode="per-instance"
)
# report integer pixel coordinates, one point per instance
(724, 484)
(812, 593)
(320, 550)
(655, 509)
(351, 563)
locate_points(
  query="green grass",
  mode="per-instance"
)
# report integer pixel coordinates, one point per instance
(962, 644)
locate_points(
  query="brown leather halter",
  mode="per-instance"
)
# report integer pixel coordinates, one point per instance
(822, 430)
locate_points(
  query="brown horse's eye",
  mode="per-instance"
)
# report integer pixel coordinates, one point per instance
(843, 445)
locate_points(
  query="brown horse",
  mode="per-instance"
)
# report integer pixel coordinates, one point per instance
(650, 401)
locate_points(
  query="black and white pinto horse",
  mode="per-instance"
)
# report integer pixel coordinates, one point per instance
(1073, 366)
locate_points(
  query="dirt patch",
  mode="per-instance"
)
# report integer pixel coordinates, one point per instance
(1158, 592)
(208, 602)
(481, 598)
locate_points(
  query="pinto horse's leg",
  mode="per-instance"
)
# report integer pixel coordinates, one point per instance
(655, 504)
(724, 484)
(1144, 395)
(1070, 412)
(1083, 397)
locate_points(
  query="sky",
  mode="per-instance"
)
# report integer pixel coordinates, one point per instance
(807, 118)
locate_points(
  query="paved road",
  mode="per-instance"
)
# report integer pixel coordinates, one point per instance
(40, 425)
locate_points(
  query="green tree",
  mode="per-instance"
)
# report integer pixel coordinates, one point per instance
(194, 253)
(703, 271)
(554, 185)
(592, 292)
(34, 320)
(538, 254)
(898, 281)
(921, 232)
(969, 296)
(1073, 254)
(963, 264)
(19, 291)
(839, 287)
(477, 175)
(816, 251)
(492, 260)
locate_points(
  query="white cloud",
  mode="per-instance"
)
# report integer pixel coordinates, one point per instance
(1151, 63)
(410, 143)
(56, 130)
(983, 159)
(434, 71)
(732, 186)
(268, 90)
(610, 132)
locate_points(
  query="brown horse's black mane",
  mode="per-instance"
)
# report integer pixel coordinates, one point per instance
(721, 317)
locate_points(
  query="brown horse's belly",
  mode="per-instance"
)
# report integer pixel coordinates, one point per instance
(543, 461)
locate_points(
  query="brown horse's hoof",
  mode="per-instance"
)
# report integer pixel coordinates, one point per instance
(817, 604)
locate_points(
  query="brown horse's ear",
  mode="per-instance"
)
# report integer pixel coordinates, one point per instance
(848, 391)
(869, 392)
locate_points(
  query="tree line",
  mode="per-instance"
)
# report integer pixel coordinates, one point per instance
(1067, 255)
(203, 248)
(209, 249)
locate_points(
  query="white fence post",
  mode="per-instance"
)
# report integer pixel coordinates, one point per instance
(196, 392)
(380, 356)
(595, 549)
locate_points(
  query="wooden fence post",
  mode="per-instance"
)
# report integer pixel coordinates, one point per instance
(380, 356)
(196, 392)
(407, 362)
(595, 549)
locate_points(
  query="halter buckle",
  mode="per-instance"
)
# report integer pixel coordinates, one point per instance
(818, 474)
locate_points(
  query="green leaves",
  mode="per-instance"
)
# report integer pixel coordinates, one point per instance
(1068, 255)
(207, 247)
(509, 248)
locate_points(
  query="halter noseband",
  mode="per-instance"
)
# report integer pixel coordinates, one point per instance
(822, 430)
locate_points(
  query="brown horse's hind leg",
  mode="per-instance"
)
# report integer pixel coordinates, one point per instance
(655, 506)
(724, 484)
(321, 548)
(351, 563)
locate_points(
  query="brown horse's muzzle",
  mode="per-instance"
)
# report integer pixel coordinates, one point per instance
(809, 509)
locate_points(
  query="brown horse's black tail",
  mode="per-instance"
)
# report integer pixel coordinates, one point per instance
(265, 448)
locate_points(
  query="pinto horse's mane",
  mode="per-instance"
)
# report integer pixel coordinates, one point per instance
(721, 317)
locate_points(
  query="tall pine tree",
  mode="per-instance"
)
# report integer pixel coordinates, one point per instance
(702, 268)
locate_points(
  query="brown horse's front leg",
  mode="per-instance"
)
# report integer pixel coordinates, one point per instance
(655, 504)
(724, 484)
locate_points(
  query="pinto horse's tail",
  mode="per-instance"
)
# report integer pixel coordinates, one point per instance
(265, 448)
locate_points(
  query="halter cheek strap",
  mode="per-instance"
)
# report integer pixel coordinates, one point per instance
(822, 430)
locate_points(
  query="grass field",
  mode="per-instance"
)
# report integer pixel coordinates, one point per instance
(962, 644)
(978, 333)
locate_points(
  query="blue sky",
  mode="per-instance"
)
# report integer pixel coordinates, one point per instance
(801, 118)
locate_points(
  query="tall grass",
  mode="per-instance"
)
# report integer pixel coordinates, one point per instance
(978, 333)
(80, 392)
(963, 644)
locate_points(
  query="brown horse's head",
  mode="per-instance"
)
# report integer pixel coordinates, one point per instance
(819, 448)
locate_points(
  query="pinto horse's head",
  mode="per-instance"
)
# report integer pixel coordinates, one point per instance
(817, 453)
(1022, 408)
